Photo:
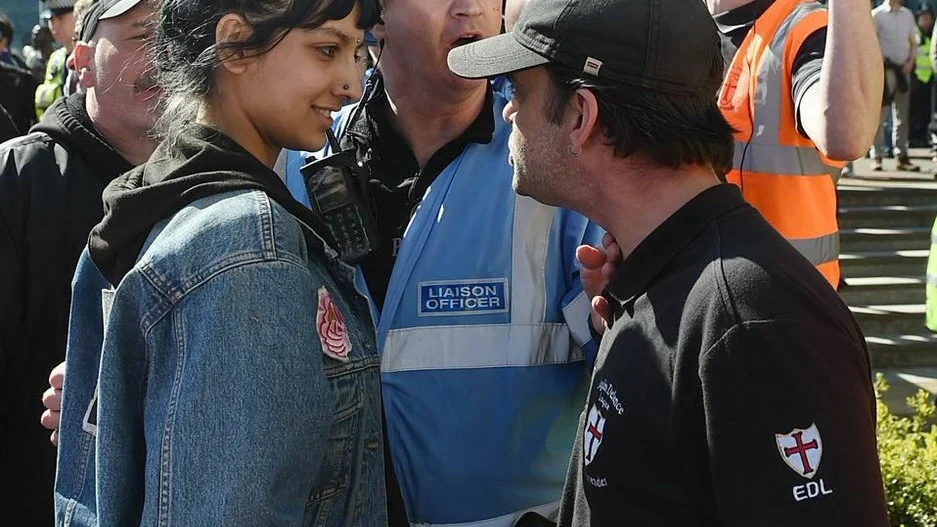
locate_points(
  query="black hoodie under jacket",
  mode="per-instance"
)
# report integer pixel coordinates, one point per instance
(199, 162)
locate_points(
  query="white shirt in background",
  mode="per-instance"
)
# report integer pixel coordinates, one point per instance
(896, 30)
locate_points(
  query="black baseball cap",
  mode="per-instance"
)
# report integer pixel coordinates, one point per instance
(103, 10)
(662, 45)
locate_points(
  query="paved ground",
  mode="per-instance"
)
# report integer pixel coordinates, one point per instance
(889, 177)
(904, 382)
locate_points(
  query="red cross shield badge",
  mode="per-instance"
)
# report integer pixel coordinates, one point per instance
(801, 450)
(595, 431)
(333, 334)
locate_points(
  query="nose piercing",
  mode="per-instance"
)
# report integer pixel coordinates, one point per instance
(346, 87)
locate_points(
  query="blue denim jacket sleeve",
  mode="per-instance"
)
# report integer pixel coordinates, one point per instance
(234, 412)
(75, 501)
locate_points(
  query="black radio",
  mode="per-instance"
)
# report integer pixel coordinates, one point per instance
(337, 186)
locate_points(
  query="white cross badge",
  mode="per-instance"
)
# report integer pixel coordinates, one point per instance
(595, 431)
(801, 450)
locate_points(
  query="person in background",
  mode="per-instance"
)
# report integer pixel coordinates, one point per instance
(930, 287)
(252, 397)
(61, 17)
(922, 86)
(933, 61)
(51, 182)
(17, 86)
(7, 56)
(898, 33)
(38, 51)
(803, 91)
(733, 387)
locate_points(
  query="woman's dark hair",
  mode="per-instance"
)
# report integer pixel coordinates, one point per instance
(186, 53)
(674, 130)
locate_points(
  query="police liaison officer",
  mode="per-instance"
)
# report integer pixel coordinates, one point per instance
(733, 387)
(484, 323)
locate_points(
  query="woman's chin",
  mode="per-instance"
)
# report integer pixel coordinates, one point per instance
(312, 142)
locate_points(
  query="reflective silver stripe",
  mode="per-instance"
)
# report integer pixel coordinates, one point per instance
(531, 240)
(577, 314)
(508, 520)
(767, 100)
(782, 160)
(482, 346)
(820, 250)
(932, 280)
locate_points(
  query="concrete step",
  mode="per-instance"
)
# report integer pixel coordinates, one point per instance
(884, 263)
(883, 290)
(889, 319)
(903, 349)
(887, 216)
(885, 236)
(883, 239)
(858, 196)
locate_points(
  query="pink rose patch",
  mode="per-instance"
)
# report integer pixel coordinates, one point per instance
(331, 326)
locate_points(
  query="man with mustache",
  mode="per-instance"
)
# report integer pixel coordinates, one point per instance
(733, 386)
(51, 182)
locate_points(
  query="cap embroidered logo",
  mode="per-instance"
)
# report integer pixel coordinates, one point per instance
(801, 450)
(333, 334)
(595, 431)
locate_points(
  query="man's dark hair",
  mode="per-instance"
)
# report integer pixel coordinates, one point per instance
(6, 29)
(674, 130)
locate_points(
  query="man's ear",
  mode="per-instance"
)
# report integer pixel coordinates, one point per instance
(585, 109)
(82, 61)
(232, 29)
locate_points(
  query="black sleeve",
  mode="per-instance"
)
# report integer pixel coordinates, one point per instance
(8, 128)
(790, 422)
(12, 286)
(807, 66)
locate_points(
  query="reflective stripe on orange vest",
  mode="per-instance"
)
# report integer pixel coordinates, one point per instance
(781, 172)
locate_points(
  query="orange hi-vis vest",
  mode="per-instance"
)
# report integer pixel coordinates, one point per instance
(781, 172)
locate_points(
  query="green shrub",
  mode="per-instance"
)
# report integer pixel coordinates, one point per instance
(907, 449)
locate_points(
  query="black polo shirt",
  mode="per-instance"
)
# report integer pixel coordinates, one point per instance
(733, 387)
(398, 182)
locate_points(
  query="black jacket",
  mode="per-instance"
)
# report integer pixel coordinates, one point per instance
(17, 97)
(51, 182)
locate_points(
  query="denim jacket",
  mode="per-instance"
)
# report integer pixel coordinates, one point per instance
(216, 391)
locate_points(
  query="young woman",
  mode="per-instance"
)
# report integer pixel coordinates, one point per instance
(238, 380)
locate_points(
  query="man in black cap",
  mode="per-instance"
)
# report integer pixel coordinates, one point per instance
(733, 386)
(51, 182)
